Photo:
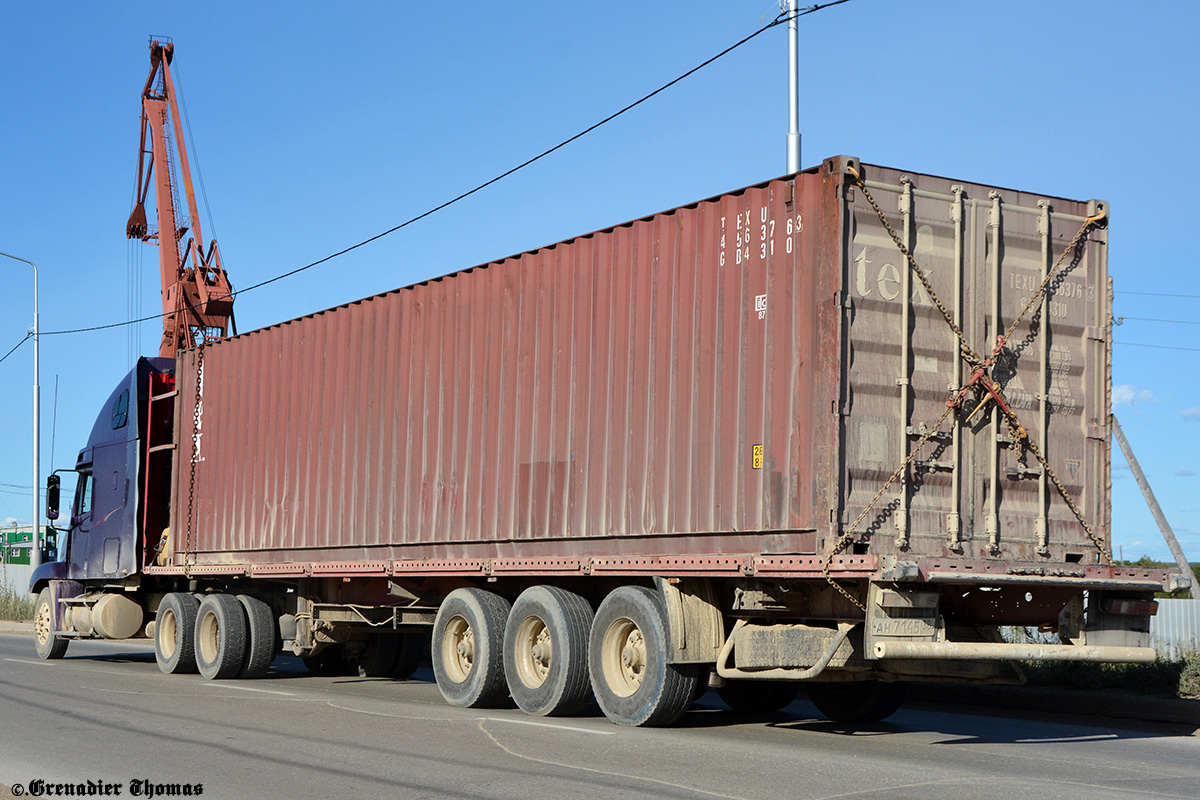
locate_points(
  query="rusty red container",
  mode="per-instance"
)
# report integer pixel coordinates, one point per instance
(736, 376)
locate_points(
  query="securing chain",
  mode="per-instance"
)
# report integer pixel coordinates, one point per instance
(980, 367)
(968, 354)
(196, 409)
(1017, 432)
(848, 536)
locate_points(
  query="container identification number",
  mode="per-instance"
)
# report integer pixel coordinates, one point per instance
(754, 236)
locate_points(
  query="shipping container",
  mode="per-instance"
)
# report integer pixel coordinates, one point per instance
(834, 428)
(737, 376)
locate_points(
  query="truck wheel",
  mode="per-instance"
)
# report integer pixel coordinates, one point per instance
(758, 696)
(545, 651)
(262, 637)
(47, 643)
(329, 662)
(174, 633)
(468, 646)
(380, 655)
(413, 649)
(627, 659)
(857, 701)
(221, 636)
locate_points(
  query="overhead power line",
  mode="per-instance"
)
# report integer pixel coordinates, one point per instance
(778, 20)
(18, 344)
(1160, 346)
(1121, 320)
(1161, 294)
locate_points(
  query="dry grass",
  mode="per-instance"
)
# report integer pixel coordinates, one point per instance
(14, 607)
(1162, 678)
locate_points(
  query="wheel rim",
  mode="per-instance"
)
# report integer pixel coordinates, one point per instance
(458, 649)
(43, 623)
(168, 633)
(533, 651)
(208, 638)
(624, 657)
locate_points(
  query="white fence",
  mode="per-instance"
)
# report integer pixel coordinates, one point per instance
(1175, 629)
(16, 578)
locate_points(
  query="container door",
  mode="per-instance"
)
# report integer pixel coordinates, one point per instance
(972, 489)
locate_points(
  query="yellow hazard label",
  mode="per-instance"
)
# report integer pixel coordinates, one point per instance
(758, 456)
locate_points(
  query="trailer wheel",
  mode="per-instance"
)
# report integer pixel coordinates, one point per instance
(757, 697)
(857, 701)
(221, 637)
(47, 642)
(174, 633)
(545, 651)
(380, 655)
(468, 646)
(413, 649)
(329, 662)
(262, 637)
(627, 659)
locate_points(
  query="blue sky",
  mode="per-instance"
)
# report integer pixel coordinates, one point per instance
(318, 125)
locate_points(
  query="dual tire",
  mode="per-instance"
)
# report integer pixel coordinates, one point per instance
(391, 655)
(221, 636)
(551, 654)
(859, 701)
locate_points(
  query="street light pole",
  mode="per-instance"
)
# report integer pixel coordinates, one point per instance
(35, 555)
(793, 137)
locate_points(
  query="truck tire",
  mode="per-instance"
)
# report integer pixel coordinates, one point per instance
(262, 637)
(174, 633)
(221, 637)
(414, 647)
(758, 697)
(627, 659)
(47, 642)
(380, 655)
(330, 662)
(468, 647)
(545, 651)
(857, 701)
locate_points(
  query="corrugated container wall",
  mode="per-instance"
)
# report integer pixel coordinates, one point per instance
(726, 377)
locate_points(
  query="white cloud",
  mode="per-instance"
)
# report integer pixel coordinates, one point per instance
(9, 521)
(1185, 473)
(1191, 413)
(1127, 395)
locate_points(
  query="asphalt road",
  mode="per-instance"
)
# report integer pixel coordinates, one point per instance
(106, 714)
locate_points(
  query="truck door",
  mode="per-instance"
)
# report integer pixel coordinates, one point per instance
(81, 524)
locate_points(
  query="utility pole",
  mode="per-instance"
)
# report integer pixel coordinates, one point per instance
(35, 556)
(1155, 508)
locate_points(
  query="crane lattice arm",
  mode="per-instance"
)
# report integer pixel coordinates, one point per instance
(196, 295)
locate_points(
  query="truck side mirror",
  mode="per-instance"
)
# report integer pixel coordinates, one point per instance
(52, 484)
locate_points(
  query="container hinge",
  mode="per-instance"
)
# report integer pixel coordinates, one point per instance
(1096, 333)
(933, 465)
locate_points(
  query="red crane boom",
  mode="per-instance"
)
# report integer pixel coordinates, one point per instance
(197, 298)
